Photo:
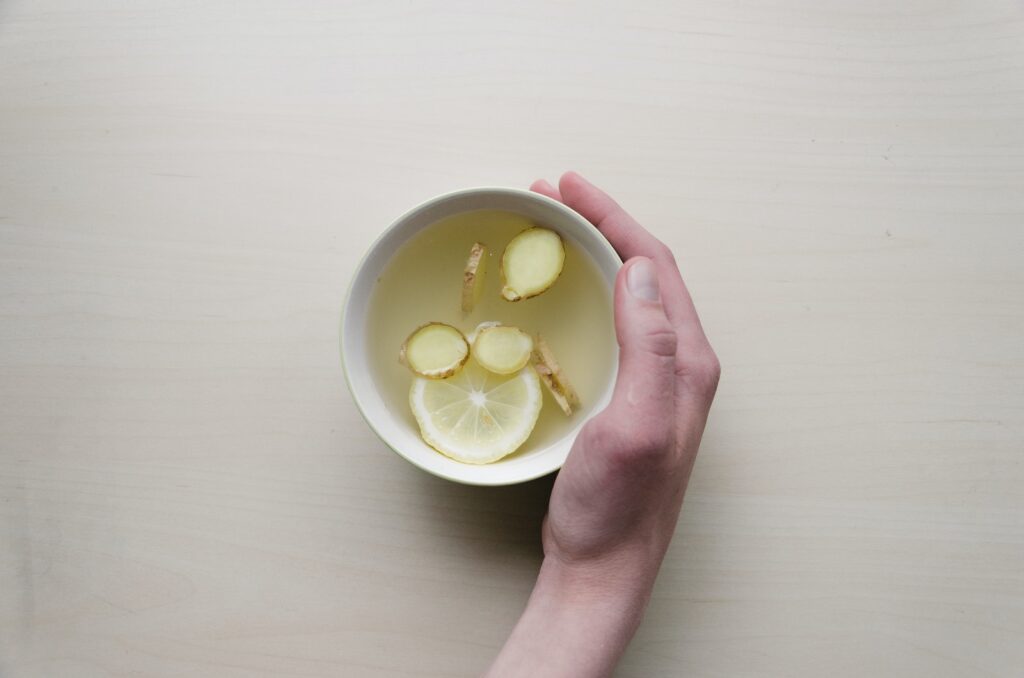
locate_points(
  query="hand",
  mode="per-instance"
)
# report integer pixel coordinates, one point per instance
(614, 505)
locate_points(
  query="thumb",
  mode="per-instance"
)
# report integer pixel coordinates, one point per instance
(645, 387)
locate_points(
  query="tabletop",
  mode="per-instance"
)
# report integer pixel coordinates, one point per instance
(186, 487)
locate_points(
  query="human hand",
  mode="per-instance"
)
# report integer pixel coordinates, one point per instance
(615, 503)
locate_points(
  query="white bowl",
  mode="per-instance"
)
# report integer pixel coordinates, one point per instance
(399, 434)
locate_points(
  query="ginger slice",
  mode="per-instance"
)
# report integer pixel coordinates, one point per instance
(502, 349)
(531, 263)
(550, 372)
(473, 276)
(435, 351)
(471, 337)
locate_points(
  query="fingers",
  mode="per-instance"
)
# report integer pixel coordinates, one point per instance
(630, 239)
(544, 188)
(696, 365)
(643, 401)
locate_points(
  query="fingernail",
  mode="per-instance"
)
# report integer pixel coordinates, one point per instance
(642, 280)
(544, 183)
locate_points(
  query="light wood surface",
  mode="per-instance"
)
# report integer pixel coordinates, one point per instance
(185, 187)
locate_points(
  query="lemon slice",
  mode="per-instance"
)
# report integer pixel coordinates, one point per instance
(476, 416)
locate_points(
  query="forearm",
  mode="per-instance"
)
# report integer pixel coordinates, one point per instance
(575, 624)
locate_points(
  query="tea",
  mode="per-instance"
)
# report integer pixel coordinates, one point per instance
(423, 282)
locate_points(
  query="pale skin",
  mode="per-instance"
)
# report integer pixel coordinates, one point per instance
(615, 503)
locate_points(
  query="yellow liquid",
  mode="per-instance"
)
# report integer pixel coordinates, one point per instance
(423, 283)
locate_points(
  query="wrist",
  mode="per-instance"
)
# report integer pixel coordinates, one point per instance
(578, 621)
(619, 586)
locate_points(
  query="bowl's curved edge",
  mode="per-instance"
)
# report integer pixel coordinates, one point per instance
(344, 319)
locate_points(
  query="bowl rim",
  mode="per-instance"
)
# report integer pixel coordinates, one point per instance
(570, 213)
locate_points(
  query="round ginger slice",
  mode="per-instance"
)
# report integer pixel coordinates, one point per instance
(502, 349)
(531, 263)
(435, 351)
(471, 337)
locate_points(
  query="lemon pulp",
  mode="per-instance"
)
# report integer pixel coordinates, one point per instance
(477, 416)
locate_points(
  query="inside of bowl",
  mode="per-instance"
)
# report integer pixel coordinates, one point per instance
(392, 420)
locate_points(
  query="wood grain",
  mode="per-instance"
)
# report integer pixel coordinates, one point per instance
(186, 487)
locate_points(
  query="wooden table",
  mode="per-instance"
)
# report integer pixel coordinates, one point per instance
(186, 488)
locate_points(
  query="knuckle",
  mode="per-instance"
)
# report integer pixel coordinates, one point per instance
(662, 340)
(709, 372)
(653, 443)
(645, 440)
(664, 252)
(712, 365)
(701, 372)
(628, 442)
